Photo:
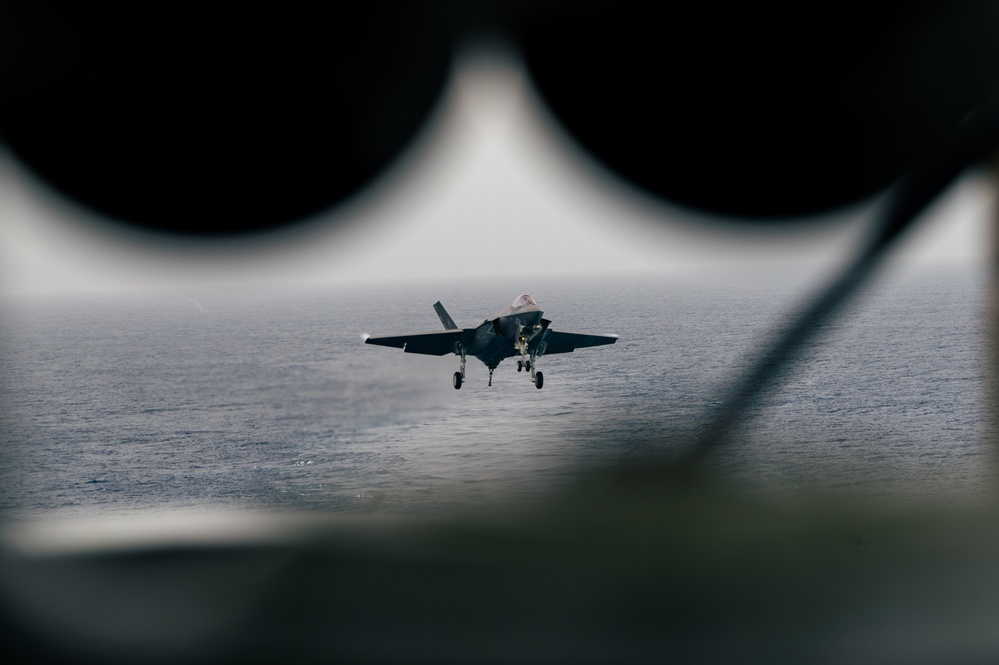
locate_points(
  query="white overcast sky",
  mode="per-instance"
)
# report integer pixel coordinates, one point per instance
(490, 189)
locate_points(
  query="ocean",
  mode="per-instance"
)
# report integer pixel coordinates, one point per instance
(240, 398)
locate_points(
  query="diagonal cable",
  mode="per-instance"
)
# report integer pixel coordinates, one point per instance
(974, 140)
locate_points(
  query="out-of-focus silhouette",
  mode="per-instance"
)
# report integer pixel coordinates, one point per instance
(214, 120)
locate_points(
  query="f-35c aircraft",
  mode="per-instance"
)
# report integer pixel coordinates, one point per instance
(519, 329)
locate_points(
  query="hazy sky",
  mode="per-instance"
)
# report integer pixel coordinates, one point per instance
(491, 188)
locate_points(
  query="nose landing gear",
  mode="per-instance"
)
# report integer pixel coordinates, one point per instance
(521, 345)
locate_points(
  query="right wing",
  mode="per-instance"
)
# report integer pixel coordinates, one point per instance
(556, 341)
(431, 344)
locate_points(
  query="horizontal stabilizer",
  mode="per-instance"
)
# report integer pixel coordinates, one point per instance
(445, 318)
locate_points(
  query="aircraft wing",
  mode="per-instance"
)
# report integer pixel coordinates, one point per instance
(557, 341)
(436, 343)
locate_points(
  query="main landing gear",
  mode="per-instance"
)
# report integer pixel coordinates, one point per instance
(537, 378)
(459, 376)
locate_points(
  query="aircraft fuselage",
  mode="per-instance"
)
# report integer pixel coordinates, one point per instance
(496, 338)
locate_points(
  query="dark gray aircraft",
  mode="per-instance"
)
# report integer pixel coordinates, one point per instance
(517, 330)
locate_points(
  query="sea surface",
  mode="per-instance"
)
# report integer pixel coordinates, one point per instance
(208, 399)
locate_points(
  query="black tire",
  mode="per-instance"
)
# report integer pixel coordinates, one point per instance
(527, 365)
(539, 380)
(456, 380)
(520, 365)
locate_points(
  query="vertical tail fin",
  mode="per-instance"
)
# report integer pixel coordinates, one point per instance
(444, 316)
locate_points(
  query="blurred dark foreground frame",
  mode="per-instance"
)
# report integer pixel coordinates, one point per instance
(641, 564)
(632, 566)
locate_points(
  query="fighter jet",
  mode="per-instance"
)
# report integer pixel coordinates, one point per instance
(518, 330)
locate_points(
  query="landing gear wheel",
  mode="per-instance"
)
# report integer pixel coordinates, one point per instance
(527, 365)
(539, 380)
(520, 365)
(456, 380)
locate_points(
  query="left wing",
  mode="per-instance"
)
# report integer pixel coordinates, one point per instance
(431, 344)
(556, 341)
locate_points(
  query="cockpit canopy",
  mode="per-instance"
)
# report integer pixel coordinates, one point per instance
(523, 300)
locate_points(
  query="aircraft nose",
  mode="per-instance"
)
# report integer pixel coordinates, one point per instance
(529, 321)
